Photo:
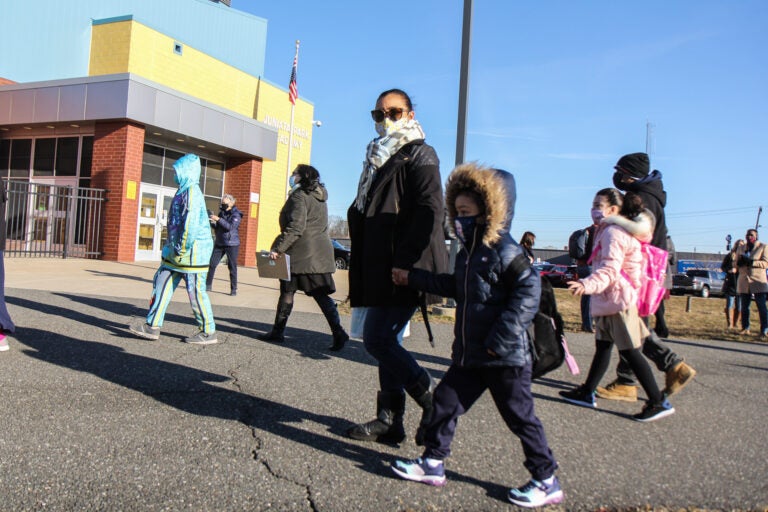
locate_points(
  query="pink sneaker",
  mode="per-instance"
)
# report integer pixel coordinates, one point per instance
(3, 343)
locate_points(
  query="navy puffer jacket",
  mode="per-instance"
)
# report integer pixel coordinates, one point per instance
(228, 227)
(497, 292)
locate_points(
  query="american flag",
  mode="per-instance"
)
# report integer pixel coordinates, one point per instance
(293, 91)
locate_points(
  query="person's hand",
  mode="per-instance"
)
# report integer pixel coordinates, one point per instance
(400, 276)
(576, 288)
(491, 353)
(214, 218)
(274, 255)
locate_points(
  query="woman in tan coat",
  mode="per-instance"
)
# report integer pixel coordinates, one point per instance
(752, 262)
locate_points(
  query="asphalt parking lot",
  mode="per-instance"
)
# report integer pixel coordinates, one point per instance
(96, 419)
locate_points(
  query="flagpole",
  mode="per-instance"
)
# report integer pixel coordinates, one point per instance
(289, 171)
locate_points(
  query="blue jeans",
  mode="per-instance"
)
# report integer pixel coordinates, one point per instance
(761, 310)
(397, 367)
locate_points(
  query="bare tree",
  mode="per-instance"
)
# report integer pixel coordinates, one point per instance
(337, 227)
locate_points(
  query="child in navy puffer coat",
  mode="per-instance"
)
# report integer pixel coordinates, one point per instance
(497, 293)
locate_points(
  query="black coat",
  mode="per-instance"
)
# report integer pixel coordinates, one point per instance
(3, 201)
(402, 226)
(227, 228)
(651, 190)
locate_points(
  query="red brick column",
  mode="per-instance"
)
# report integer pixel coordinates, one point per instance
(118, 148)
(242, 178)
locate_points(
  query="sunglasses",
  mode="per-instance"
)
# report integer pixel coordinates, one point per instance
(393, 113)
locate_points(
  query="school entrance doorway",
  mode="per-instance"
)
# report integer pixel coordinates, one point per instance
(152, 230)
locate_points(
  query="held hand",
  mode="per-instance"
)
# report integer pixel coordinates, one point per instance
(214, 218)
(576, 288)
(273, 255)
(400, 277)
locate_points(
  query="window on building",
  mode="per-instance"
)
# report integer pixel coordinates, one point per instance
(45, 153)
(170, 158)
(5, 157)
(86, 159)
(152, 165)
(66, 156)
(21, 153)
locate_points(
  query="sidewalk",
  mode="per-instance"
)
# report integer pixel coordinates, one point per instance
(134, 281)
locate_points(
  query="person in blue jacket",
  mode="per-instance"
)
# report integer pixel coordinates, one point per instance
(186, 254)
(497, 294)
(226, 225)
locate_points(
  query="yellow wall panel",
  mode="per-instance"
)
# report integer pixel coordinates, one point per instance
(131, 47)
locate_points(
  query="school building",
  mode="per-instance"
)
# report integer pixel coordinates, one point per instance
(105, 95)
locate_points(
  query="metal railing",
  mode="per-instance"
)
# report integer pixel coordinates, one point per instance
(45, 220)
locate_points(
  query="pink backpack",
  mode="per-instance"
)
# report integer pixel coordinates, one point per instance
(653, 271)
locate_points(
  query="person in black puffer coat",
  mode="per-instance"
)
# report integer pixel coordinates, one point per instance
(632, 175)
(226, 225)
(497, 293)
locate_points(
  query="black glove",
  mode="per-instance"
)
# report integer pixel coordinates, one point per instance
(744, 261)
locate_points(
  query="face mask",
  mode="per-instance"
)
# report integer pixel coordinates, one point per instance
(465, 229)
(618, 182)
(292, 181)
(388, 127)
(597, 215)
(224, 206)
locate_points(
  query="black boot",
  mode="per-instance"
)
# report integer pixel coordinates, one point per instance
(388, 425)
(331, 313)
(422, 391)
(281, 319)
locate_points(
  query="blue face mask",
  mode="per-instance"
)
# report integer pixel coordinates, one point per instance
(465, 229)
(292, 181)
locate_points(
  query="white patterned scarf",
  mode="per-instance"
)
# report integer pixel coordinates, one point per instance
(379, 150)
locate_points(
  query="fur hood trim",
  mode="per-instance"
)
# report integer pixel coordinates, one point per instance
(490, 187)
(640, 227)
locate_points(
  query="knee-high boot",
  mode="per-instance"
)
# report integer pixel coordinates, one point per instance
(331, 313)
(422, 391)
(388, 425)
(281, 319)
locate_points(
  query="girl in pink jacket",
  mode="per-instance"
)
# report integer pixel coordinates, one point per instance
(617, 262)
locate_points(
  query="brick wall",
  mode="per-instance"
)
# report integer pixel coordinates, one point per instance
(117, 153)
(244, 176)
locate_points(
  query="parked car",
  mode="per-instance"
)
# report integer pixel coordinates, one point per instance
(701, 282)
(341, 255)
(558, 275)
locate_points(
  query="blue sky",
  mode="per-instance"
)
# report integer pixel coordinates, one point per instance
(559, 90)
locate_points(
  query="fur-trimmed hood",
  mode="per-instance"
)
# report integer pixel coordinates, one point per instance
(640, 227)
(496, 190)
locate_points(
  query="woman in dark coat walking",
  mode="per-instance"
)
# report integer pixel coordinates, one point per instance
(395, 221)
(304, 237)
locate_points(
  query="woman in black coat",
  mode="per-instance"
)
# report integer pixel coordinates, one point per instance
(395, 221)
(304, 237)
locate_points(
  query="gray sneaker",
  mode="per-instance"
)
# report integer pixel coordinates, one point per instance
(202, 338)
(142, 329)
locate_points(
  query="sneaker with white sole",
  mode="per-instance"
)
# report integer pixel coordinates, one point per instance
(418, 470)
(202, 338)
(580, 396)
(653, 412)
(142, 329)
(4, 343)
(537, 494)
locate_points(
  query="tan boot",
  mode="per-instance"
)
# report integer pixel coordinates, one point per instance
(678, 377)
(616, 391)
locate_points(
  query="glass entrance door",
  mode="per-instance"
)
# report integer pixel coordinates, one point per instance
(152, 232)
(49, 206)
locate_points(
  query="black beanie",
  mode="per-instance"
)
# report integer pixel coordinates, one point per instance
(634, 164)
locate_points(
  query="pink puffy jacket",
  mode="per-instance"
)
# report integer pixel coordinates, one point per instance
(615, 250)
